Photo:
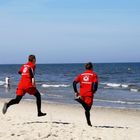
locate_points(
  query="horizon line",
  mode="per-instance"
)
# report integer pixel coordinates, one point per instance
(69, 63)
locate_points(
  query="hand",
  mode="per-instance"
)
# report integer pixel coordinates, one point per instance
(33, 82)
(34, 85)
(77, 96)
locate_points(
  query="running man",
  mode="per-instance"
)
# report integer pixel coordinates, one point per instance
(26, 85)
(88, 86)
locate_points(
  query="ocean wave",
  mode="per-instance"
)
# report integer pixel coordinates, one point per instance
(55, 86)
(124, 86)
(135, 89)
(119, 102)
(113, 85)
(2, 83)
(55, 96)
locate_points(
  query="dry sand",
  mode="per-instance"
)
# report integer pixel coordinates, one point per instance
(67, 122)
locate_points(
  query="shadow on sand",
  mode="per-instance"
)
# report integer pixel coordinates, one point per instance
(36, 122)
(119, 127)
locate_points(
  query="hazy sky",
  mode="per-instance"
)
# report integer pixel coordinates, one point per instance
(65, 31)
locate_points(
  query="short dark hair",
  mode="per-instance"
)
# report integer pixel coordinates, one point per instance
(31, 58)
(88, 66)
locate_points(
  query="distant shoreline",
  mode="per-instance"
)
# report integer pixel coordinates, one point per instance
(72, 63)
(75, 105)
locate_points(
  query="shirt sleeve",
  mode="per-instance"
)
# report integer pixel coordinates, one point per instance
(75, 87)
(95, 83)
(20, 70)
(77, 79)
(33, 69)
(95, 78)
(31, 73)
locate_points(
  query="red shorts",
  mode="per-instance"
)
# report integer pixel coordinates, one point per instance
(21, 92)
(88, 100)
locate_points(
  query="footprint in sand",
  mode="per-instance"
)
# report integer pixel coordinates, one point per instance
(47, 136)
(12, 134)
(94, 138)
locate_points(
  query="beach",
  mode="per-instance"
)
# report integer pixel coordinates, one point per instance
(64, 121)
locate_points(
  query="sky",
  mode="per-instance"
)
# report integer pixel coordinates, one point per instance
(70, 31)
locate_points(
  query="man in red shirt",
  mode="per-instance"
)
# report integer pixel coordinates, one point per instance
(26, 85)
(88, 86)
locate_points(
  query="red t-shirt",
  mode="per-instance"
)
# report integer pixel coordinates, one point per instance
(86, 81)
(26, 78)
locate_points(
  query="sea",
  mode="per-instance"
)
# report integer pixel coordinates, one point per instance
(119, 83)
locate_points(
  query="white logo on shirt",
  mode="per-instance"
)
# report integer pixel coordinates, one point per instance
(25, 70)
(86, 78)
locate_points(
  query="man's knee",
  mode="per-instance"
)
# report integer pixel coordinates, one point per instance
(37, 95)
(17, 99)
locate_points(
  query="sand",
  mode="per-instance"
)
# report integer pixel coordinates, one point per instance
(67, 122)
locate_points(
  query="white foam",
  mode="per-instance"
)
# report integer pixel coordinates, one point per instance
(2, 83)
(103, 83)
(118, 102)
(134, 90)
(124, 86)
(56, 86)
(113, 85)
(55, 96)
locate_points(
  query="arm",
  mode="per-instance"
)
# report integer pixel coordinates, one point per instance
(32, 76)
(19, 72)
(75, 88)
(95, 83)
(95, 87)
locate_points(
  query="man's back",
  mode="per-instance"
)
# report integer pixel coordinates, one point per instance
(27, 73)
(86, 81)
